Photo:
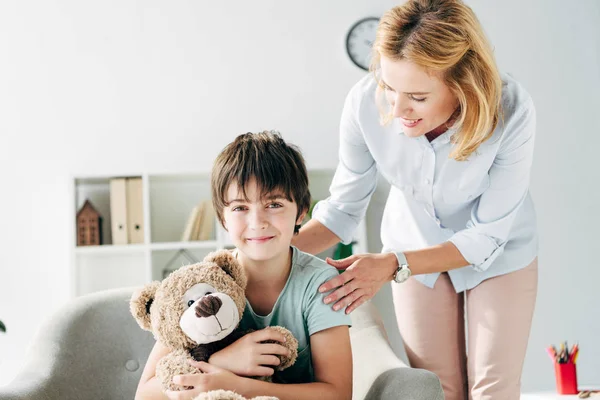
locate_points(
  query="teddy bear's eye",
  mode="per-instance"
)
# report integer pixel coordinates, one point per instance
(190, 303)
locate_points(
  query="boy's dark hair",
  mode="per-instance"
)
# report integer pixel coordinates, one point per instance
(266, 157)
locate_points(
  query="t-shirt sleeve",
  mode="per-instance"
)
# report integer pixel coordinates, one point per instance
(318, 315)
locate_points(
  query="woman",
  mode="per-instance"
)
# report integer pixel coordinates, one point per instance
(454, 138)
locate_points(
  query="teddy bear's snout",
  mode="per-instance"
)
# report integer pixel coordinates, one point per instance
(208, 306)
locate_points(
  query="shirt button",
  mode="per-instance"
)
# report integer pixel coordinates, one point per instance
(427, 181)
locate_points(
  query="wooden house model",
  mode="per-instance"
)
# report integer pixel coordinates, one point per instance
(89, 226)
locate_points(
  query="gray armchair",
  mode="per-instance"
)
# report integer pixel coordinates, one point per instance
(93, 349)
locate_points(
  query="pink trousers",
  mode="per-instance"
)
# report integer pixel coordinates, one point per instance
(498, 315)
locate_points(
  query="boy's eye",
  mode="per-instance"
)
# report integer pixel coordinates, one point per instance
(274, 205)
(238, 208)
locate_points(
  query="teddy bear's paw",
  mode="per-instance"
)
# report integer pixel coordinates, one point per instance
(220, 395)
(292, 345)
(174, 363)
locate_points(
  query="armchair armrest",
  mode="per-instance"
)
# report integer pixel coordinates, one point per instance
(372, 354)
(377, 372)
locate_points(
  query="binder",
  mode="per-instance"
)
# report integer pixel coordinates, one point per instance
(118, 211)
(189, 226)
(198, 222)
(208, 222)
(135, 210)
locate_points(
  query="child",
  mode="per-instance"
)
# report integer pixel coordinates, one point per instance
(260, 195)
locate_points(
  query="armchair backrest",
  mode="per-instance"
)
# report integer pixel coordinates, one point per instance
(91, 349)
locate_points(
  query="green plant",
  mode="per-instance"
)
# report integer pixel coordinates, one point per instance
(2, 327)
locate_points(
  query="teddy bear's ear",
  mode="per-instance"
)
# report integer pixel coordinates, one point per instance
(229, 264)
(140, 304)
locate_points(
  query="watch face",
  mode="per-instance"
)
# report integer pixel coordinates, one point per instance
(402, 275)
(359, 41)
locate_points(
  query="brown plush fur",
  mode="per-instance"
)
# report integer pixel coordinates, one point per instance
(140, 302)
(158, 308)
(228, 395)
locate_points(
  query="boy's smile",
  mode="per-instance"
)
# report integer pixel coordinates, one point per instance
(261, 239)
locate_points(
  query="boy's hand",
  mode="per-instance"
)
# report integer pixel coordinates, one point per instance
(211, 378)
(248, 356)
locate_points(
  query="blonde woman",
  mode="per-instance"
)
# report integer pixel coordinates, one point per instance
(454, 138)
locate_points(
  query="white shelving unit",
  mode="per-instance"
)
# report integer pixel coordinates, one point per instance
(168, 201)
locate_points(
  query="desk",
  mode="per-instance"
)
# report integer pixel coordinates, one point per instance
(548, 396)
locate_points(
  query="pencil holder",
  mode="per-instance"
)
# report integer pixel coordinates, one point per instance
(566, 378)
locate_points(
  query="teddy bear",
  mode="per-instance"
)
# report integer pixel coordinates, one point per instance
(196, 311)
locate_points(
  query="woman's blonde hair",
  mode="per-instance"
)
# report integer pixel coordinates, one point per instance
(445, 38)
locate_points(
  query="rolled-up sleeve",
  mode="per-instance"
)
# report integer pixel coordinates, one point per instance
(355, 178)
(494, 212)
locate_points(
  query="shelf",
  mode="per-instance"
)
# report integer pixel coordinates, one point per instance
(110, 249)
(202, 244)
(132, 248)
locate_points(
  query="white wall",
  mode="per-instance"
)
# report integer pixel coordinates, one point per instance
(119, 86)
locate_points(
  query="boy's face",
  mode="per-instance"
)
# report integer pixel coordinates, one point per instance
(261, 228)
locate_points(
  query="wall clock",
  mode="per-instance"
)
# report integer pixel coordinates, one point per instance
(359, 41)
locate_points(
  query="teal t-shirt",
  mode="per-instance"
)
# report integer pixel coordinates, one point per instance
(300, 308)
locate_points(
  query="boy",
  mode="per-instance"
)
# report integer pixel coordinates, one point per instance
(260, 195)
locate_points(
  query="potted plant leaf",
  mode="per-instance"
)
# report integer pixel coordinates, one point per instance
(2, 327)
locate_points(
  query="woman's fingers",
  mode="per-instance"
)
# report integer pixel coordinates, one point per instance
(357, 303)
(340, 293)
(349, 299)
(343, 263)
(336, 282)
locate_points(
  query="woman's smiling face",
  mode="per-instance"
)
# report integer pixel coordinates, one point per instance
(422, 102)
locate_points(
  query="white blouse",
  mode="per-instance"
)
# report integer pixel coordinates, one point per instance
(482, 205)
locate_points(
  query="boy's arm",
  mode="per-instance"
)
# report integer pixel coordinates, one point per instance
(149, 387)
(332, 362)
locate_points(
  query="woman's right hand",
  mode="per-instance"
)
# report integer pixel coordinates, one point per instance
(250, 356)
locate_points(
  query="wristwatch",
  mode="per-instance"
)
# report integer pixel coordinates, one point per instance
(403, 272)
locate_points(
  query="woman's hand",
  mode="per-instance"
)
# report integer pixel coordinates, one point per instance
(248, 356)
(211, 378)
(365, 274)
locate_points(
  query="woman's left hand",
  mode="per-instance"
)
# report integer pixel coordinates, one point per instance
(365, 274)
(211, 378)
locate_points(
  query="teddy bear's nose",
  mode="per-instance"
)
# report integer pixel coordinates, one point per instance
(208, 306)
